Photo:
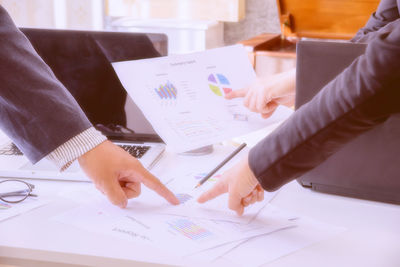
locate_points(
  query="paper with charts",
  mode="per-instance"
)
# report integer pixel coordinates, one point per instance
(182, 96)
(216, 209)
(189, 235)
(197, 240)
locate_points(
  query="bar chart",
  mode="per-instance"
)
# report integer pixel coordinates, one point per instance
(183, 198)
(190, 229)
(166, 91)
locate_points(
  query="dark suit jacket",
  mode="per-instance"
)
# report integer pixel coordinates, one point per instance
(36, 111)
(362, 96)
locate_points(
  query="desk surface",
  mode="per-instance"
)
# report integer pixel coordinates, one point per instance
(371, 239)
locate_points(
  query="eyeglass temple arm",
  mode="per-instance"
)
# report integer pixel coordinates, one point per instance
(15, 193)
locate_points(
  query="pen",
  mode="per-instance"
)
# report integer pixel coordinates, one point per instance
(211, 173)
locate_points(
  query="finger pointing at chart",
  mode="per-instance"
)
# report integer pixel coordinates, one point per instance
(119, 175)
(240, 183)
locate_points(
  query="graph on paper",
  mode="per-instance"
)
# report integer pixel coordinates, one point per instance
(4, 206)
(190, 128)
(214, 178)
(183, 198)
(166, 91)
(218, 83)
(190, 229)
(183, 96)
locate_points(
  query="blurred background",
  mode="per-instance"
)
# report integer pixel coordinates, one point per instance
(191, 25)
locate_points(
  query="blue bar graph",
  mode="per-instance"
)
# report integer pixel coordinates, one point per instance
(167, 91)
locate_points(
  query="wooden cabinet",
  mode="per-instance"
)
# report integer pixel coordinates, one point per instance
(332, 19)
(322, 19)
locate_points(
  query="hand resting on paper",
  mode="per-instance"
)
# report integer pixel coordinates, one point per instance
(266, 94)
(241, 185)
(119, 175)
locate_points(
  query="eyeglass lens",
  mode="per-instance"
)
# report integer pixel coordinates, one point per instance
(14, 191)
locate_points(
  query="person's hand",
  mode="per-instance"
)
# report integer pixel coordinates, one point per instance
(240, 183)
(266, 94)
(119, 175)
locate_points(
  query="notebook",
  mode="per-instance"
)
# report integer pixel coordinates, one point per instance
(81, 60)
(365, 167)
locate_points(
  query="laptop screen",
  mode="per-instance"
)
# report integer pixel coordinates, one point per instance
(81, 60)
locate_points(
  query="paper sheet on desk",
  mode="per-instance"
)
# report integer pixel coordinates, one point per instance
(133, 224)
(216, 209)
(10, 210)
(251, 139)
(281, 243)
(263, 249)
(187, 235)
(183, 96)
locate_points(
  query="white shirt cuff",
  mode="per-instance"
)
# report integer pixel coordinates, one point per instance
(64, 155)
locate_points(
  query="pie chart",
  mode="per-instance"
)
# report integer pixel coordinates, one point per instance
(219, 84)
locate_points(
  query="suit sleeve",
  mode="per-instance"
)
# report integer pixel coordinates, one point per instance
(361, 97)
(380, 21)
(36, 110)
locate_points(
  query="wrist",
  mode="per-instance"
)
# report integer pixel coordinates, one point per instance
(92, 152)
(250, 178)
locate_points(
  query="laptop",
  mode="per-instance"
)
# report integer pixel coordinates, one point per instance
(365, 167)
(81, 60)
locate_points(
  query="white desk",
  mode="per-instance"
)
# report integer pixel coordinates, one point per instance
(372, 238)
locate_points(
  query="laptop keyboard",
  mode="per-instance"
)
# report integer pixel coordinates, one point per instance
(134, 150)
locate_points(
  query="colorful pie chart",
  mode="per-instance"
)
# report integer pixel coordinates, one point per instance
(219, 84)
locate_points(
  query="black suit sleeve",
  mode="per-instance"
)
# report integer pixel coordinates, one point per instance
(36, 110)
(362, 96)
(379, 22)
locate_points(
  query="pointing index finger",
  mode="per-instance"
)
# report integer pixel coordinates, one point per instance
(236, 93)
(218, 189)
(154, 184)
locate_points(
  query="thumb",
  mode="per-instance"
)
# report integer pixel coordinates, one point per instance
(115, 194)
(237, 93)
(270, 108)
(267, 115)
(218, 189)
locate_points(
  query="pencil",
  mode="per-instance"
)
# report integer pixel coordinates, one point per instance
(211, 173)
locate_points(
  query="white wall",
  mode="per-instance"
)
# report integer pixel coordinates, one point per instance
(61, 14)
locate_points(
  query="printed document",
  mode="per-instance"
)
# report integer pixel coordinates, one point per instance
(182, 96)
(8, 210)
(188, 235)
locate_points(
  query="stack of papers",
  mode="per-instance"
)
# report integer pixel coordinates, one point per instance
(150, 220)
(199, 233)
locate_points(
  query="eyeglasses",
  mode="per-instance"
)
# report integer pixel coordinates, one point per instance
(14, 191)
